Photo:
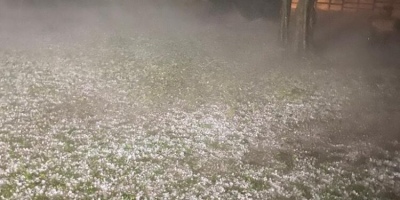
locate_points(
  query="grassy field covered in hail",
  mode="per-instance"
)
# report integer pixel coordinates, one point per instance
(152, 102)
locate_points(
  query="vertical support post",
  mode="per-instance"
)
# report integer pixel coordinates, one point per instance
(285, 18)
(305, 14)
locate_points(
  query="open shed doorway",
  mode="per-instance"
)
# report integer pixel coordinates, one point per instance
(355, 5)
(345, 25)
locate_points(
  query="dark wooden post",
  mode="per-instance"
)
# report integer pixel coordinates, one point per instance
(305, 14)
(285, 18)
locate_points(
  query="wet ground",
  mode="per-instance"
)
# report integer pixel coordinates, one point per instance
(176, 102)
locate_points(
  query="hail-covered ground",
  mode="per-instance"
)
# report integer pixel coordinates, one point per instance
(167, 103)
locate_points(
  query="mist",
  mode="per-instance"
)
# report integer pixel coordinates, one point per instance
(193, 99)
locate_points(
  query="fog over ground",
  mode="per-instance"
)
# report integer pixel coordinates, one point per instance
(183, 100)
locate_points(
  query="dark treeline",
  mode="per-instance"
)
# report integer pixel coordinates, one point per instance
(45, 3)
(251, 9)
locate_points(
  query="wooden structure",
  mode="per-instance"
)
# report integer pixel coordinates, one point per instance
(354, 5)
